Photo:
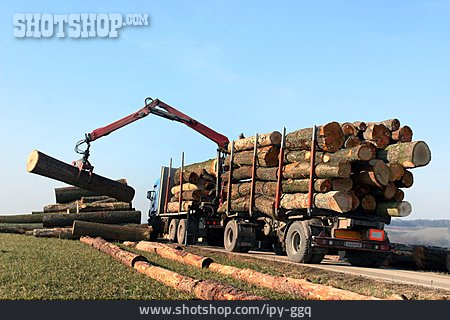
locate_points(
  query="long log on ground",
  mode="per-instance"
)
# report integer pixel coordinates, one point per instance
(284, 285)
(373, 173)
(404, 134)
(266, 139)
(114, 217)
(401, 257)
(44, 165)
(69, 194)
(12, 229)
(60, 233)
(269, 188)
(263, 204)
(408, 154)
(394, 208)
(345, 184)
(334, 200)
(391, 124)
(102, 206)
(110, 232)
(175, 206)
(329, 138)
(60, 207)
(266, 157)
(430, 258)
(97, 199)
(379, 134)
(406, 181)
(22, 218)
(208, 165)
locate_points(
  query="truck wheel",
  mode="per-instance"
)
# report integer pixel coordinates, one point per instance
(232, 238)
(298, 246)
(173, 227)
(181, 232)
(365, 259)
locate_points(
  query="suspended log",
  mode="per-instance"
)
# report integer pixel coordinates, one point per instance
(267, 139)
(266, 157)
(59, 233)
(22, 218)
(406, 181)
(114, 217)
(127, 258)
(208, 165)
(97, 199)
(379, 134)
(69, 194)
(175, 206)
(188, 177)
(408, 154)
(192, 195)
(102, 206)
(41, 164)
(351, 142)
(390, 124)
(386, 192)
(334, 200)
(263, 204)
(329, 138)
(301, 170)
(345, 184)
(368, 203)
(393, 208)
(404, 134)
(396, 171)
(399, 195)
(175, 254)
(373, 173)
(110, 232)
(430, 258)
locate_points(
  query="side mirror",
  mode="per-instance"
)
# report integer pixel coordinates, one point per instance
(151, 195)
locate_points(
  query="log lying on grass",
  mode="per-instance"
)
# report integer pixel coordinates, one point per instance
(22, 218)
(70, 194)
(110, 232)
(108, 217)
(430, 258)
(44, 165)
(60, 233)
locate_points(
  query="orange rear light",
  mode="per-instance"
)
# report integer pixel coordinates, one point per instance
(347, 234)
(376, 235)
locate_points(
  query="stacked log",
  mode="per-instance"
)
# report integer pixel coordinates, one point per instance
(358, 167)
(198, 185)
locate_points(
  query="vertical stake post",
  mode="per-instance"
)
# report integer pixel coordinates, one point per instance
(230, 178)
(312, 170)
(169, 176)
(181, 183)
(252, 190)
(280, 173)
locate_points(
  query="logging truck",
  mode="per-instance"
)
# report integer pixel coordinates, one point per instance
(305, 233)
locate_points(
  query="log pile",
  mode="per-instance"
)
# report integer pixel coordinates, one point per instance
(196, 185)
(358, 167)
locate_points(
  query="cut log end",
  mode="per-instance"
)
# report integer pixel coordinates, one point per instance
(421, 154)
(32, 160)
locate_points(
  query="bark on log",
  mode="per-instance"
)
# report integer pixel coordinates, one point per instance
(408, 154)
(192, 195)
(302, 185)
(401, 257)
(127, 258)
(351, 142)
(387, 192)
(300, 170)
(372, 146)
(379, 134)
(393, 208)
(208, 165)
(345, 184)
(396, 171)
(59, 233)
(103, 206)
(263, 204)
(391, 124)
(200, 185)
(360, 189)
(266, 157)
(65, 207)
(374, 173)
(358, 153)
(267, 139)
(22, 218)
(97, 199)
(406, 181)
(245, 172)
(188, 177)
(399, 195)
(110, 232)
(430, 258)
(329, 138)
(291, 156)
(175, 206)
(114, 217)
(355, 200)
(349, 129)
(41, 164)
(368, 203)
(404, 134)
(69, 194)
(335, 200)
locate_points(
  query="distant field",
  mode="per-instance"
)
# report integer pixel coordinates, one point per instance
(420, 236)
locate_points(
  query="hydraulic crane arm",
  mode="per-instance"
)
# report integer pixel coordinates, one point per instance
(156, 107)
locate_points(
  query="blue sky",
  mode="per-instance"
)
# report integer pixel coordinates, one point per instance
(252, 66)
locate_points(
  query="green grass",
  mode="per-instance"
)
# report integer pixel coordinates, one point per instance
(38, 268)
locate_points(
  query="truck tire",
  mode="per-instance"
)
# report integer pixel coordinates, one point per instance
(233, 238)
(181, 232)
(298, 242)
(365, 259)
(173, 227)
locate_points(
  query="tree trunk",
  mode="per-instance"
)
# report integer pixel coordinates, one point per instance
(355, 200)
(291, 156)
(351, 142)
(345, 184)
(190, 195)
(408, 154)
(368, 203)
(329, 138)
(396, 171)
(302, 185)
(97, 199)
(245, 172)
(65, 207)
(401, 257)
(404, 134)
(64, 220)
(102, 206)
(372, 146)
(188, 177)
(379, 134)
(360, 125)
(263, 204)
(60, 233)
(201, 185)
(360, 190)
(430, 258)
(349, 129)
(41, 164)
(175, 206)
(22, 218)
(406, 180)
(110, 232)
(208, 165)
(358, 153)
(391, 124)
(335, 200)
(300, 170)
(387, 192)
(394, 208)
(70, 194)
(267, 139)
(399, 195)
(266, 157)
(374, 173)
